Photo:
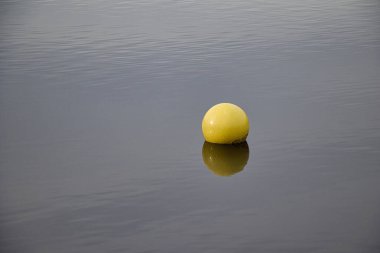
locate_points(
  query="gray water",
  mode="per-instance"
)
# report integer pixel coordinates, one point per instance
(101, 104)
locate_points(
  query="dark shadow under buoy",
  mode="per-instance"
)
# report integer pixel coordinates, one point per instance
(225, 160)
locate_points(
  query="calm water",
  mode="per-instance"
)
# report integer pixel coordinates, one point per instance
(101, 148)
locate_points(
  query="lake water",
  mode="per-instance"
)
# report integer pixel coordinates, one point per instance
(101, 104)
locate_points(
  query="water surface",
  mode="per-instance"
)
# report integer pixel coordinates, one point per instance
(100, 141)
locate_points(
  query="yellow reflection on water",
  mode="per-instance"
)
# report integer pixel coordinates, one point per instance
(225, 160)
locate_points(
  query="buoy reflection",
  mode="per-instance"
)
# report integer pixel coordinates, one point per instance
(225, 160)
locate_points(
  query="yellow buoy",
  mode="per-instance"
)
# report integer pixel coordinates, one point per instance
(225, 123)
(225, 160)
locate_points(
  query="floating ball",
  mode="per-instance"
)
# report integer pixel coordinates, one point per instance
(225, 123)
